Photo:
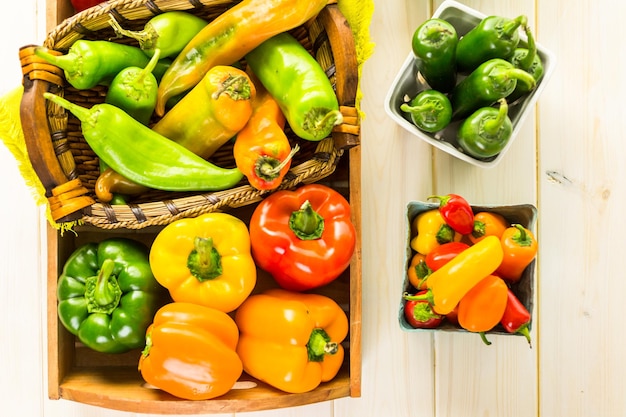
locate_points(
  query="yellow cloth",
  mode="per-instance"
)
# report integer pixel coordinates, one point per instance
(358, 13)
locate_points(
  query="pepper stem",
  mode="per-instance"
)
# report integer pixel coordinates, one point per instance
(523, 330)
(521, 237)
(82, 113)
(427, 296)
(493, 126)
(484, 338)
(150, 67)
(269, 168)
(67, 62)
(526, 62)
(102, 291)
(147, 38)
(319, 345)
(306, 223)
(204, 261)
(522, 76)
(511, 26)
(236, 86)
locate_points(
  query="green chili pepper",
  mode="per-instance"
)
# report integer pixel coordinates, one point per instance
(430, 110)
(107, 294)
(169, 32)
(529, 60)
(486, 131)
(134, 90)
(493, 37)
(434, 43)
(299, 84)
(89, 63)
(144, 156)
(491, 81)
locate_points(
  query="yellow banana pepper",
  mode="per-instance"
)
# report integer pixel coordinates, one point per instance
(430, 231)
(290, 340)
(205, 260)
(452, 281)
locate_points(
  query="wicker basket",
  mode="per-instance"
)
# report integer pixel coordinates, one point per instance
(68, 168)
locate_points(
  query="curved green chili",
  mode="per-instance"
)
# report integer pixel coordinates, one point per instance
(142, 155)
(493, 37)
(491, 81)
(434, 43)
(486, 132)
(430, 110)
(298, 84)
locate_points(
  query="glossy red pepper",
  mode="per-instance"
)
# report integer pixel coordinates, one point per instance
(304, 238)
(442, 254)
(80, 5)
(419, 313)
(516, 317)
(457, 212)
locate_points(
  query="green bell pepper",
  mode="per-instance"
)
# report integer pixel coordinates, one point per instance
(107, 295)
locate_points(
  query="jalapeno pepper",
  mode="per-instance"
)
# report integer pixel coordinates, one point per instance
(529, 60)
(299, 85)
(486, 132)
(430, 110)
(434, 44)
(493, 37)
(492, 80)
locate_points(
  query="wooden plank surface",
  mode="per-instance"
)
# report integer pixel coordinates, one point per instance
(568, 160)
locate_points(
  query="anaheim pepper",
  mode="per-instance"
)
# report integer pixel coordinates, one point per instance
(205, 260)
(304, 238)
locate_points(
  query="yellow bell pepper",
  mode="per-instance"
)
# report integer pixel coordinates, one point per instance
(289, 340)
(430, 230)
(452, 281)
(205, 260)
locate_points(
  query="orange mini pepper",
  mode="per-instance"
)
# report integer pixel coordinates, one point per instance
(486, 224)
(291, 341)
(205, 260)
(481, 309)
(520, 248)
(191, 352)
(418, 271)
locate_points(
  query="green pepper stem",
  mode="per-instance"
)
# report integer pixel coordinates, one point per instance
(427, 296)
(521, 237)
(333, 117)
(527, 61)
(484, 338)
(147, 70)
(67, 62)
(306, 223)
(319, 345)
(522, 76)
(524, 331)
(102, 292)
(511, 26)
(82, 113)
(146, 38)
(204, 261)
(428, 107)
(236, 86)
(493, 126)
(267, 167)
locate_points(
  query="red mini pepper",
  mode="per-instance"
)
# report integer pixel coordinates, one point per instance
(304, 238)
(457, 212)
(442, 254)
(516, 317)
(419, 313)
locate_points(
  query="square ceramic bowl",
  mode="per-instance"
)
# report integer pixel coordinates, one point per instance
(524, 214)
(408, 84)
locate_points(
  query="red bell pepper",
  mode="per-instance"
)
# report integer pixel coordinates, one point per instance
(457, 212)
(80, 5)
(419, 313)
(304, 238)
(442, 254)
(516, 317)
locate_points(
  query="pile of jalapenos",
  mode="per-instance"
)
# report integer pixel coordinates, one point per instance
(472, 79)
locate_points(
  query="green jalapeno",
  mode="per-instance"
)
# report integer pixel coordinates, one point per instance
(434, 44)
(89, 63)
(430, 110)
(529, 60)
(169, 32)
(144, 156)
(134, 90)
(298, 84)
(491, 81)
(493, 37)
(486, 131)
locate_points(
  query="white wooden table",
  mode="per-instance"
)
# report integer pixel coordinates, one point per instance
(576, 365)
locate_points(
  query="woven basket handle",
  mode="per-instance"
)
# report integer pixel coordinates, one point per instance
(341, 38)
(65, 193)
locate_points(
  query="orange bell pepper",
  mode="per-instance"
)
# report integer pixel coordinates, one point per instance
(449, 284)
(262, 150)
(191, 352)
(481, 309)
(486, 224)
(205, 260)
(291, 341)
(520, 248)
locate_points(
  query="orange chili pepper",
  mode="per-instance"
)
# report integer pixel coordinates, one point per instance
(481, 309)
(418, 271)
(520, 248)
(262, 150)
(488, 224)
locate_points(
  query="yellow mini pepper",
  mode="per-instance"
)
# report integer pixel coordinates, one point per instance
(290, 340)
(430, 230)
(205, 260)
